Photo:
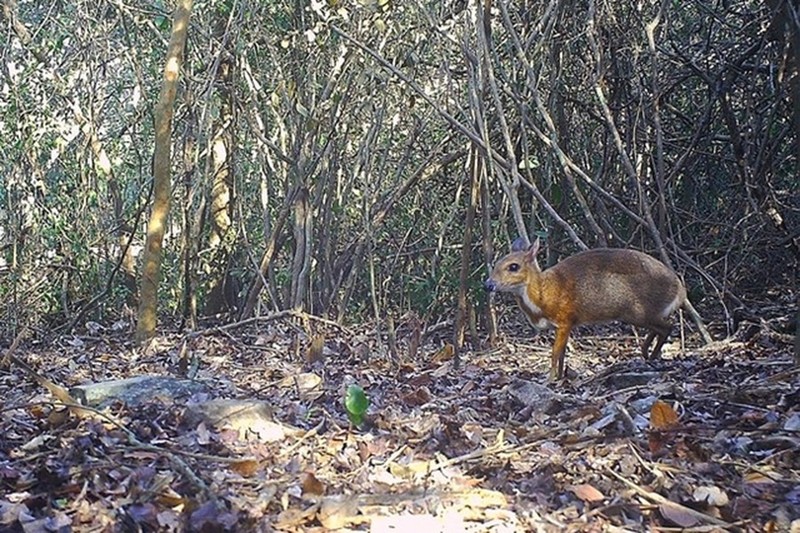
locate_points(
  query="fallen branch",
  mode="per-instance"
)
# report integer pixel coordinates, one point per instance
(661, 500)
(267, 318)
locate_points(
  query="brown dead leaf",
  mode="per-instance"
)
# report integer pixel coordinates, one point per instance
(57, 417)
(418, 396)
(410, 470)
(337, 512)
(315, 347)
(292, 518)
(587, 493)
(171, 499)
(483, 499)
(656, 441)
(245, 467)
(444, 354)
(312, 485)
(757, 477)
(420, 380)
(759, 485)
(37, 411)
(678, 515)
(473, 432)
(468, 387)
(308, 384)
(662, 416)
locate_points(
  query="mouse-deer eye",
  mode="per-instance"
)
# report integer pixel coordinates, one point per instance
(513, 267)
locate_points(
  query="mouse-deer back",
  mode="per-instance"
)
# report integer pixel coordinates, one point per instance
(599, 285)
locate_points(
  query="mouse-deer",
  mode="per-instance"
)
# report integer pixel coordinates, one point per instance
(599, 285)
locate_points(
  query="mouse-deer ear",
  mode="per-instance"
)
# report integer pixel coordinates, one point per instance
(533, 250)
(519, 245)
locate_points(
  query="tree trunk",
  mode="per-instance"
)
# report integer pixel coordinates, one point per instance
(222, 291)
(151, 268)
(475, 170)
(266, 258)
(301, 267)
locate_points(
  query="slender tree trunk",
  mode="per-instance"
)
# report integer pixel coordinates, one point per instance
(462, 312)
(151, 269)
(266, 258)
(797, 336)
(302, 254)
(188, 226)
(486, 229)
(222, 289)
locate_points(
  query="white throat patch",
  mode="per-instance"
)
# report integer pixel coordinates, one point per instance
(532, 309)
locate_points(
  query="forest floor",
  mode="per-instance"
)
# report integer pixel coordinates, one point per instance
(706, 439)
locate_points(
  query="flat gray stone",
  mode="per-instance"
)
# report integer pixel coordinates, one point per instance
(137, 391)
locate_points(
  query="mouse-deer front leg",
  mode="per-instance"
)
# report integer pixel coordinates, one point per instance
(559, 350)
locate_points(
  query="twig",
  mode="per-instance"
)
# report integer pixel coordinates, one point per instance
(308, 434)
(646, 465)
(661, 500)
(56, 390)
(179, 463)
(13, 348)
(267, 318)
(494, 449)
(395, 454)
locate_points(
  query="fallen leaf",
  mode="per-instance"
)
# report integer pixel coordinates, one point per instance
(57, 417)
(419, 380)
(711, 496)
(337, 512)
(315, 348)
(587, 493)
(418, 396)
(759, 485)
(10, 512)
(308, 384)
(662, 416)
(444, 354)
(293, 518)
(144, 514)
(655, 441)
(245, 467)
(678, 515)
(410, 470)
(35, 443)
(484, 498)
(212, 516)
(469, 386)
(757, 477)
(169, 520)
(792, 423)
(473, 432)
(37, 411)
(171, 499)
(312, 485)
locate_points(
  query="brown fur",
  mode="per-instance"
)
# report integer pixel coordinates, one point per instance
(594, 286)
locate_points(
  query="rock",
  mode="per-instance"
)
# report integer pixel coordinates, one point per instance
(539, 398)
(138, 391)
(624, 380)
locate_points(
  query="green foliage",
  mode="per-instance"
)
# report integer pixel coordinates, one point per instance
(356, 404)
(313, 108)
